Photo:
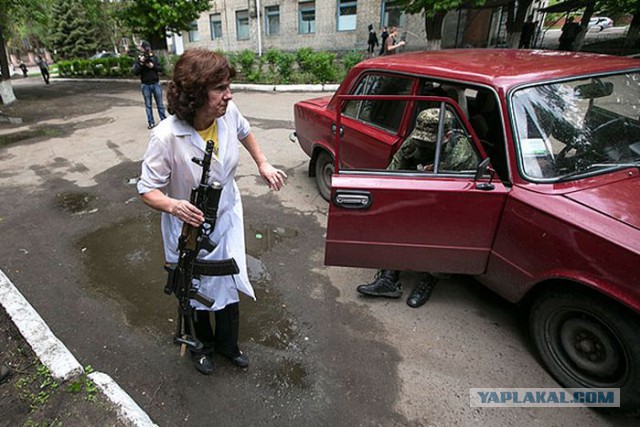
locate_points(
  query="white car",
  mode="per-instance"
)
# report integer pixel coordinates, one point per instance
(599, 23)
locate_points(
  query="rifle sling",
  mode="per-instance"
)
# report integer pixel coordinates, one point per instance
(225, 267)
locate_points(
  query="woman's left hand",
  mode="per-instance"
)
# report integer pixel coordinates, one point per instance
(275, 178)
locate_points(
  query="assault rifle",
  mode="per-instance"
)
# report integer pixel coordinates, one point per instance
(184, 276)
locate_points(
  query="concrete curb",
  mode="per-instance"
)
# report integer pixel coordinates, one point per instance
(128, 409)
(57, 358)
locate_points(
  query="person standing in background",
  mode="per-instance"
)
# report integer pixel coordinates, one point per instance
(44, 68)
(570, 31)
(384, 35)
(392, 43)
(148, 68)
(528, 31)
(373, 40)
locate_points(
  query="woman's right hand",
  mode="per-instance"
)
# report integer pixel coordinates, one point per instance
(186, 212)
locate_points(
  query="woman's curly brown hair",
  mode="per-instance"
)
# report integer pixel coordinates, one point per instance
(193, 74)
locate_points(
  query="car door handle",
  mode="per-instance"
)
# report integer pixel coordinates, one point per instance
(352, 199)
(333, 130)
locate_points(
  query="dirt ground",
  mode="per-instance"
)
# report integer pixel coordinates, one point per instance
(29, 396)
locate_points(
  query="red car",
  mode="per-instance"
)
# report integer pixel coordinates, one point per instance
(546, 213)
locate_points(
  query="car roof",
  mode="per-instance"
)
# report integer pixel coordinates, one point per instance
(501, 68)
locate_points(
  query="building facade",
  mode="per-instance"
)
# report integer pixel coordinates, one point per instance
(331, 25)
(288, 25)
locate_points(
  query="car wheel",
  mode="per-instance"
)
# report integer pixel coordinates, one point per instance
(588, 342)
(324, 170)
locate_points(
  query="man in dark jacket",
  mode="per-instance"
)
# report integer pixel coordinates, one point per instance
(373, 40)
(384, 35)
(570, 31)
(147, 67)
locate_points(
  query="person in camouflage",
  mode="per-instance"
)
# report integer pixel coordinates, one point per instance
(418, 153)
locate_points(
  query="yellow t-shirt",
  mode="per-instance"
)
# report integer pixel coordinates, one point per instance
(211, 133)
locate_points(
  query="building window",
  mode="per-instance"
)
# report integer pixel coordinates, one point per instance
(347, 11)
(194, 35)
(215, 24)
(392, 13)
(307, 17)
(272, 20)
(242, 24)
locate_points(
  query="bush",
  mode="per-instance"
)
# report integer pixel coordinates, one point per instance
(280, 64)
(303, 56)
(351, 58)
(275, 67)
(246, 59)
(104, 67)
(322, 67)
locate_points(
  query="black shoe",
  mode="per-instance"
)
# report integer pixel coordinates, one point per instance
(240, 359)
(422, 292)
(385, 284)
(151, 125)
(202, 363)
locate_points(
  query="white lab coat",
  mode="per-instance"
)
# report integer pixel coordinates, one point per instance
(173, 143)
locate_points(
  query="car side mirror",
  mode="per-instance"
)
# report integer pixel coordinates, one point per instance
(483, 169)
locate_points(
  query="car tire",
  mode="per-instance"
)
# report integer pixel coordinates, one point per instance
(324, 170)
(587, 341)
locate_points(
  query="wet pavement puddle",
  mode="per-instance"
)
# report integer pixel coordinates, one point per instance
(124, 261)
(76, 203)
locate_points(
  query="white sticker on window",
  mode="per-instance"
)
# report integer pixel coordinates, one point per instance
(534, 147)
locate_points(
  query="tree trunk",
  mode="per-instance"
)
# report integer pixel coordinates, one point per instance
(633, 34)
(584, 25)
(6, 89)
(515, 22)
(433, 27)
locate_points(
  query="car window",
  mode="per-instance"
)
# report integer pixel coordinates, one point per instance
(458, 93)
(568, 129)
(481, 108)
(384, 114)
(435, 148)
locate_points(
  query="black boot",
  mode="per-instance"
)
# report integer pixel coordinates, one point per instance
(227, 334)
(385, 284)
(422, 292)
(202, 359)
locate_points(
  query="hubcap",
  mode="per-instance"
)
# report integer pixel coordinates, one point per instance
(589, 350)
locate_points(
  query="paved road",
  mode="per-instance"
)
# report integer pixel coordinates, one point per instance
(87, 255)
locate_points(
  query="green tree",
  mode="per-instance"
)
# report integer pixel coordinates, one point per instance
(154, 19)
(76, 26)
(13, 14)
(30, 31)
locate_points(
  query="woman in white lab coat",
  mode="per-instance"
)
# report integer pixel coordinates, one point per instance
(200, 101)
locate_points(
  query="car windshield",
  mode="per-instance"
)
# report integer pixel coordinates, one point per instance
(571, 129)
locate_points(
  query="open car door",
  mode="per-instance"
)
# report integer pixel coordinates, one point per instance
(438, 217)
